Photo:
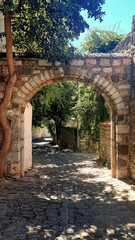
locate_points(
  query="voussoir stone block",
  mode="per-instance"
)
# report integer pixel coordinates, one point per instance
(101, 81)
(112, 91)
(121, 106)
(109, 87)
(117, 100)
(42, 77)
(37, 79)
(21, 94)
(33, 83)
(105, 84)
(25, 90)
(97, 78)
(46, 74)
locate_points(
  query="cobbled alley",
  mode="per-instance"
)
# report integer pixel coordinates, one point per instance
(66, 195)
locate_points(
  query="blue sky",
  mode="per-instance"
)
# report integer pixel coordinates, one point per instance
(117, 12)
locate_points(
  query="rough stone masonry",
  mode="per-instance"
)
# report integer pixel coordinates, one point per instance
(112, 75)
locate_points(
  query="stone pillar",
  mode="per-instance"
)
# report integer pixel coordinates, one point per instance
(12, 163)
(113, 145)
(122, 146)
(26, 139)
(132, 111)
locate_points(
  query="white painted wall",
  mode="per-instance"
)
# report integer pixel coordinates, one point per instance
(38, 132)
(26, 136)
(2, 40)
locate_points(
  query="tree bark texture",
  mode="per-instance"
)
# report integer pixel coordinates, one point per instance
(12, 78)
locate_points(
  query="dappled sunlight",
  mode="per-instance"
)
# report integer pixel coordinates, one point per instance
(67, 196)
(48, 166)
(70, 210)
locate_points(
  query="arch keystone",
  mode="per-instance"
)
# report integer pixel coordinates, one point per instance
(96, 79)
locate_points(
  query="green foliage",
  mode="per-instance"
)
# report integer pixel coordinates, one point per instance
(92, 107)
(44, 27)
(9, 5)
(55, 104)
(92, 110)
(102, 41)
(52, 105)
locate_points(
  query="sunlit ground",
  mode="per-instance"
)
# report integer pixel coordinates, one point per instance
(66, 196)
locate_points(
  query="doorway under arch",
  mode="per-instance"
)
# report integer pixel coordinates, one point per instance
(102, 71)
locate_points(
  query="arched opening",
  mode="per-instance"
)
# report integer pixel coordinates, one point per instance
(95, 70)
(27, 117)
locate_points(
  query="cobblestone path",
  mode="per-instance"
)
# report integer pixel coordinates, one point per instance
(66, 196)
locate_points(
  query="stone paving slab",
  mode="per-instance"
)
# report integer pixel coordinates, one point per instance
(66, 196)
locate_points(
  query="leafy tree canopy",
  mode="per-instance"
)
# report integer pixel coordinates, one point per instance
(53, 103)
(45, 26)
(101, 41)
(92, 110)
(92, 107)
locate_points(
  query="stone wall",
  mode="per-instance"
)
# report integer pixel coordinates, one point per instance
(109, 74)
(87, 144)
(127, 45)
(105, 142)
(38, 132)
(68, 137)
(132, 126)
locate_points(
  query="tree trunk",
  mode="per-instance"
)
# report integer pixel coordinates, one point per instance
(57, 133)
(4, 123)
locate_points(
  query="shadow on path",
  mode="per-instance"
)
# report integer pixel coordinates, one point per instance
(66, 196)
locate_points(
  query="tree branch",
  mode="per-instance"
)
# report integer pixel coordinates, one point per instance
(21, 2)
(9, 43)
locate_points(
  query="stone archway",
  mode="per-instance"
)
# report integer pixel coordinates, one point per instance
(107, 73)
